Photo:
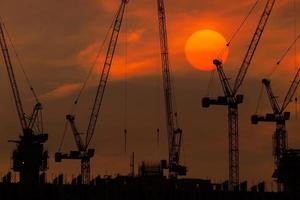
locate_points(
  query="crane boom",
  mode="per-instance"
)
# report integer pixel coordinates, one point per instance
(105, 73)
(12, 78)
(34, 115)
(29, 158)
(271, 96)
(253, 45)
(78, 140)
(174, 132)
(224, 80)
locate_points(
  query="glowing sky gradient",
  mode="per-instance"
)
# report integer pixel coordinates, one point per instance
(59, 40)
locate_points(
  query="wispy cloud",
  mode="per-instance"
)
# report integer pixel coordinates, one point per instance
(109, 6)
(62, 91)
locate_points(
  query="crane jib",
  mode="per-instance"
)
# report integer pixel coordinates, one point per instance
(253, 45)
(12, 78)
(105, 74)
(83, 153)
(271, 96)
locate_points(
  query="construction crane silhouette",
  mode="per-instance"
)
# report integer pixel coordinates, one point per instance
(174, 132)
(231, 99)
(279, 116)
(29, 158)
(83, 152)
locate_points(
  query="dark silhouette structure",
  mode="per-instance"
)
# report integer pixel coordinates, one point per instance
(29, 158)
(174, 132)
(83, 153)
(231, 99)
(136, 188)
(279, 117)
(288, 173)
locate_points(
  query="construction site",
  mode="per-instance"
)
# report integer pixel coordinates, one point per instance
(167, 177)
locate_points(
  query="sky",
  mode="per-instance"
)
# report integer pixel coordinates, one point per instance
(58, 42)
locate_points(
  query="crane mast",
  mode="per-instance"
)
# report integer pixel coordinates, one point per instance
(232, 100)
(83, 153)
(279, 117)
(29, 158)
(174, 132)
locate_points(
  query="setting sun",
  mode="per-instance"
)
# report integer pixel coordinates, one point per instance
(203, 47)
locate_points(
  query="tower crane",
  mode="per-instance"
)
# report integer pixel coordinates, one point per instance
(279, 116)
(83, 152)
(231, 99)
(174, 132)
(29, 157)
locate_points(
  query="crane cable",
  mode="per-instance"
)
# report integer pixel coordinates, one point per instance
(295, 55)
(295, 33)
(19, 60)
(243, 23)
(275, 68)
(284, 55)
(158, 96)
(210, 82)
(38, 127)
(293, 44)
(175, 108)
(63, 136)
(158, 105)
(125, 81)
(93, 65)
(75, 103)
(235, 33)
(259, 98)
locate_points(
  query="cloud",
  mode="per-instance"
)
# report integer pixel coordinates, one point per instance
(134, 36)
(57, 35)
(62, 91)
(142, 58)
(109, 6)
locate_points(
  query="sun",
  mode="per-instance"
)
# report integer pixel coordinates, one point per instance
(203, 47)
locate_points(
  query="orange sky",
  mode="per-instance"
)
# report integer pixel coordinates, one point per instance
(58, 42)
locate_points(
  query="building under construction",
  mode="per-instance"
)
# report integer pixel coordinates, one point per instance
(164, 179)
